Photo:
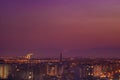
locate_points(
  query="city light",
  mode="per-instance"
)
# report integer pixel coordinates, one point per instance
(56, 69)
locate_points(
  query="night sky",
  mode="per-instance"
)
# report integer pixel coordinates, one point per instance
(84, 28)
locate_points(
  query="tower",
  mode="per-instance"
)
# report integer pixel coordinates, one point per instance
(60, 57)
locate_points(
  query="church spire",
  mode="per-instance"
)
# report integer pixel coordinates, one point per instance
(61, 57)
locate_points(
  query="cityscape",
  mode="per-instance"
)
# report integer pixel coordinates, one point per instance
(28, 68)
(59, 39)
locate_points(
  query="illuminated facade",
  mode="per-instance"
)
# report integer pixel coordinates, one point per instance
(4, 71)
(97, 71)
(52, 70)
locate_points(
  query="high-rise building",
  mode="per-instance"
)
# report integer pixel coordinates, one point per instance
(4, 71)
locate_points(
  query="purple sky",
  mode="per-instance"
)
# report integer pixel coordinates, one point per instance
(47, 27)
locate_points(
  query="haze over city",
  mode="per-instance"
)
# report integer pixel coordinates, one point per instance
(84, 28)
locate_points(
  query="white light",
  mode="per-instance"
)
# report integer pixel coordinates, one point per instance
(29, 77)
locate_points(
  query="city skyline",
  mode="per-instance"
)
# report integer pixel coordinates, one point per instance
(47, 28)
